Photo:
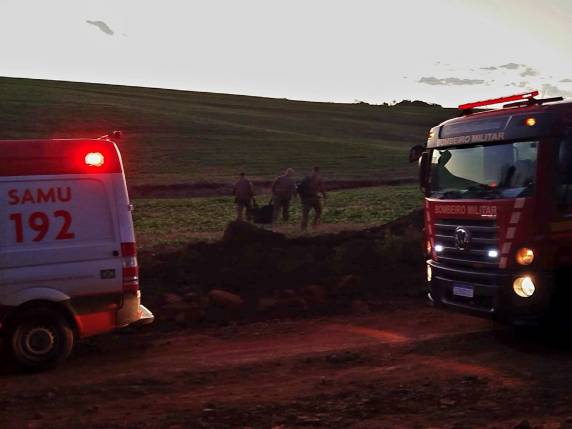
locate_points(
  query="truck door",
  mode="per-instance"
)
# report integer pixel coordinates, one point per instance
(564, 176)
(560, 227)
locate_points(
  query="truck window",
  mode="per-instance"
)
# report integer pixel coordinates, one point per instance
(503, 170)
(564, 178)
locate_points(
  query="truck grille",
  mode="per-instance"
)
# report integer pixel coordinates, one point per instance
(483, 238)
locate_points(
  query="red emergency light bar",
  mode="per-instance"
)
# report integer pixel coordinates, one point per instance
(52, 157)
(516, 97)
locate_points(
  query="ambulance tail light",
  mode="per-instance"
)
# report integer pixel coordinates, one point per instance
(130, 268)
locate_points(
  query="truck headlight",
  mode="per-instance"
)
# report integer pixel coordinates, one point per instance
(523, 286)
(524, 256)
(429, 273)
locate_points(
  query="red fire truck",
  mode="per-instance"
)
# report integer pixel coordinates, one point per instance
(498, 208)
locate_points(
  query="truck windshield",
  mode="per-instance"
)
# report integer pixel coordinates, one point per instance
(505, 170)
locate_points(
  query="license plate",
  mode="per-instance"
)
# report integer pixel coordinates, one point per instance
(463, 290)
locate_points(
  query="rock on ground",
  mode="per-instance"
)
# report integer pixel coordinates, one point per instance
(226, 300)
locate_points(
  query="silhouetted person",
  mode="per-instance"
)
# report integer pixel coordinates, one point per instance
(243, 196)
(309, 190)
(283, 189)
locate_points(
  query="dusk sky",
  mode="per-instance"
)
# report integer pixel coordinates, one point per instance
(441, 51)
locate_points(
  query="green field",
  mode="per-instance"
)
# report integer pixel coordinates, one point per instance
(178, 137)
(177, 221)
(181, 136)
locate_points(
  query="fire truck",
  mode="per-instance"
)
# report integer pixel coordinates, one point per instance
(498, 208)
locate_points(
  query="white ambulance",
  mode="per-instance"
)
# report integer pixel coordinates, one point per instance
(68, 264)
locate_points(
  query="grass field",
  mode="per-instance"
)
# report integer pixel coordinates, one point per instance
(180, 137)
(178, 221)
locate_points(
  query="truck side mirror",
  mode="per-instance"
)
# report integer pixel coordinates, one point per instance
(424, 171)
(415, 152)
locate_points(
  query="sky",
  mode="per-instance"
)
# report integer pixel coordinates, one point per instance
(440, 51)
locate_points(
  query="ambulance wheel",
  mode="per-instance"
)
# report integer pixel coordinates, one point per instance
(41, 339)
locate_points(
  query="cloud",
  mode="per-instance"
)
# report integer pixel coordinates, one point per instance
(522, 69)
(521, 84)
(431, 80)
(566, 80)
(549, 90)
(529, 71)
(511, 66)
(102, 26)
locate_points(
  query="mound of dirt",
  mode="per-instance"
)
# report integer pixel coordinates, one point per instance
(244, 232)
(273, 275)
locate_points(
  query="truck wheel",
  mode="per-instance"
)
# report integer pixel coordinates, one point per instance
(41, 339)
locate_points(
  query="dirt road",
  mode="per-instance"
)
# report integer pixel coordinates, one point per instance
(406, 365)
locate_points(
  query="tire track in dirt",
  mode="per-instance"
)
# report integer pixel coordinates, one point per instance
(412, 364)
(150, 365)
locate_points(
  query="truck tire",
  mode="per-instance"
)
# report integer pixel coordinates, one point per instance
(40, 339)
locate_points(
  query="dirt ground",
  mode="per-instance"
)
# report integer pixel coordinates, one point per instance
(402, 365)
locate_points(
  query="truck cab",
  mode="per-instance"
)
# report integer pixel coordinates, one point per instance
(68, 263)
(498, 208)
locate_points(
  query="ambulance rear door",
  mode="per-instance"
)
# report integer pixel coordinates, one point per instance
(59, 232)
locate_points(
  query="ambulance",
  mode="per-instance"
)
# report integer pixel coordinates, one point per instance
(68, 261)
(498, 209)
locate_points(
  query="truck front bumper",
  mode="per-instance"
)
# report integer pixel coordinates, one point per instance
(492, 292)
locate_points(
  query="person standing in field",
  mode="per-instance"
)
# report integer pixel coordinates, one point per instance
(283, 189)
(243, 196)
(309, 190)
